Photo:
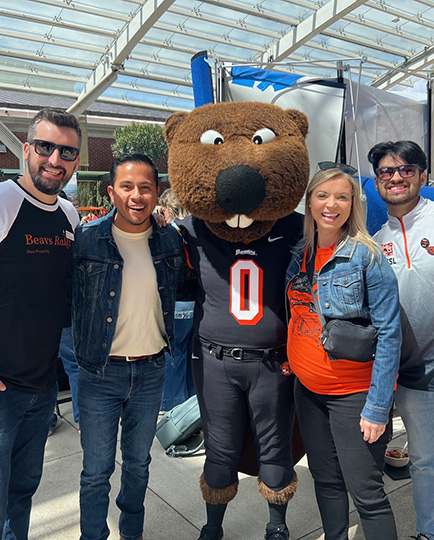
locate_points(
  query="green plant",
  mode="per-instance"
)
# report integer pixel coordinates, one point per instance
(143, 138)
(91, 193)
(86, 193)
(102, 199)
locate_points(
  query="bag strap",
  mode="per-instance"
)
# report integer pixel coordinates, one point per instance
(309, 273)
(181, 450)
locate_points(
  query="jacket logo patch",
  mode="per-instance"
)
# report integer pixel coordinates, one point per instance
(388, 249)
(425, 243)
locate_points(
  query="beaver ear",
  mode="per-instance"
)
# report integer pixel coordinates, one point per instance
(172, 124)
(300, 119)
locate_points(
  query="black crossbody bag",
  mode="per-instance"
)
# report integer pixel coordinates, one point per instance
(344, 339)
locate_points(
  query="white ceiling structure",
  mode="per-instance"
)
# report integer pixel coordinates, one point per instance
(137, 52)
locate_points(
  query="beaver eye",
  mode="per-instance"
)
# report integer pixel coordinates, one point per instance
(211, 137)
(263, 135)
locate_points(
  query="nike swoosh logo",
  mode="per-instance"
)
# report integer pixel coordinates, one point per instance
(274, 239)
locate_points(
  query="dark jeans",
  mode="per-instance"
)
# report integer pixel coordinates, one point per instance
(179, 384)
(234, 394)
(131, 392)
(24, 421)
(66, 353)
(339, 459)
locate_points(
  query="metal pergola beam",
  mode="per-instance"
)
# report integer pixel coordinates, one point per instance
(309, 28)
(13, 143)
(417, 62)
(102, 99)
(57, 23)
(50, 41)
(61, 4)
(108, 68)
(47, 59)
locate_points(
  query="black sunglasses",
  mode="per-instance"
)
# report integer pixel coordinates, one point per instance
(347, 169)
(46, 148)
(387, 173)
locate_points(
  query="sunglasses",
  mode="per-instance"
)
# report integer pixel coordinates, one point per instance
(405, 171)
(347, 169)
(46, 148)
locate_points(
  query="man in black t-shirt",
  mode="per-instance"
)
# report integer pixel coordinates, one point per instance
(36, 235)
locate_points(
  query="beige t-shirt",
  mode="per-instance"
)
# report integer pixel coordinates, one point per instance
(140, 326)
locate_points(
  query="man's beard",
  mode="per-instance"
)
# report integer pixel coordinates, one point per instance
(52, 187)
(409, 197)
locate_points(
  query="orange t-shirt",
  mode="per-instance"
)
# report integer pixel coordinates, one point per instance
(306, 355)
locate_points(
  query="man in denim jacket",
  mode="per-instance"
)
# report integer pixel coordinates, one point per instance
(125, 275)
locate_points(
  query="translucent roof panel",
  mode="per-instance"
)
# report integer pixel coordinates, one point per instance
(137, 52)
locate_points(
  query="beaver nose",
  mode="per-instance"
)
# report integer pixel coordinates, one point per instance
(239, 189)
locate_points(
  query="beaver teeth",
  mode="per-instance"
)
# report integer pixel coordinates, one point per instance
(239, 221)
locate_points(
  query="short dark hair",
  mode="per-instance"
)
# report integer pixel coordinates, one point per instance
(409, 151)
(58, 117)
(132, 158)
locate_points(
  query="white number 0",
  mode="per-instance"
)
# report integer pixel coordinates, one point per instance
(246, 292)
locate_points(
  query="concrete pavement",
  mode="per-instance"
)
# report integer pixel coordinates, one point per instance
(174, 506)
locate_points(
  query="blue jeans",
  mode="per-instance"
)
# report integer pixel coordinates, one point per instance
(179, 384)
(416, 408)
(130, 391)
(66, 353)
(24, 421)
(340, 460)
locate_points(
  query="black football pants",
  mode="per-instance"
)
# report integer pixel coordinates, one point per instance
(234, 393)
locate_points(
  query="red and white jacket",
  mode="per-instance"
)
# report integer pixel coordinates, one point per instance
(408, 244)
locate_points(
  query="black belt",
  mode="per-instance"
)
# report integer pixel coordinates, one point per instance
(238, 353)
(148, 357)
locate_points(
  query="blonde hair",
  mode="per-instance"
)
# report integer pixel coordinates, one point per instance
(355, 226)
(168, 201)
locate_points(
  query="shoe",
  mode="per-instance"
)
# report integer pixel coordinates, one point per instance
(279, 533)
(420, 536)
(206, 535)
(53, 429)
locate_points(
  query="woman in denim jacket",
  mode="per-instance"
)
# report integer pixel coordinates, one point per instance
(343, 406)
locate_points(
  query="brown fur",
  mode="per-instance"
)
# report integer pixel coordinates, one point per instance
(278, 497)
(217, 496)
(194, 166)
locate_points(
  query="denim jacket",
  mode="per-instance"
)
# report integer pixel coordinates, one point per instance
(97, 281)
(350, 286)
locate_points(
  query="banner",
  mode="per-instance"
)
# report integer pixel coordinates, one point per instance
(321, 100)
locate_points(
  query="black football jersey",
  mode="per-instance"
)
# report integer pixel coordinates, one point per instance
(240, 297)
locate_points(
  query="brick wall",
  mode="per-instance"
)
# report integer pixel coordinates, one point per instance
(100, 154)
(8, 160)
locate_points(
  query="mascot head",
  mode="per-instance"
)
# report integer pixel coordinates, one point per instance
(238, 166)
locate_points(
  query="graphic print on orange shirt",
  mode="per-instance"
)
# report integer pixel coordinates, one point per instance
(307, 358)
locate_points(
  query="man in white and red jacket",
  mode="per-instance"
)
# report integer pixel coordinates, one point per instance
(408, 243)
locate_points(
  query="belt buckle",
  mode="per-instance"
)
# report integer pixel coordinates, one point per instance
(237, 353)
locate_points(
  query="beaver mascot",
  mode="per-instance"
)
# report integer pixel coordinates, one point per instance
(241, 169)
